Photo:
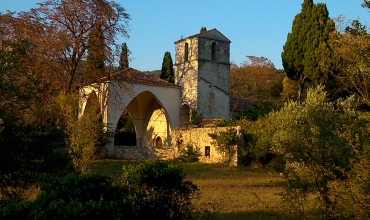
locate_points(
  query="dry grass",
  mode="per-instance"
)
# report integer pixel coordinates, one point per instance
(228, 193)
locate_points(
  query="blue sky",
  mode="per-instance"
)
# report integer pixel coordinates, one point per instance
(255, 27)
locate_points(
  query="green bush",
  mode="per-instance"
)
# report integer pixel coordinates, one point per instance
(160, 189)
(323, 144)
(150, 190)
(259, 109)
(190, 154)
(225, 142)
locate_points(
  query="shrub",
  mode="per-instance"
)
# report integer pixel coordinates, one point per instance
(225, 142)
(323, 144)
(195, 118)
(190, 154)
(160, 190)
(150, 190)
(259, 109)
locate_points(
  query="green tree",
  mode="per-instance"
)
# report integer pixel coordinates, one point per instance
(203, 29)
(167, 72)
(321, 142)
(123, 62)
(95, 58)
(225, 143)
(306, 54)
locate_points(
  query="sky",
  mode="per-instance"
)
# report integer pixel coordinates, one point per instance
(255, 27)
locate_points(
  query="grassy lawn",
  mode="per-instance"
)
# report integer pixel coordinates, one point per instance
(228, 193)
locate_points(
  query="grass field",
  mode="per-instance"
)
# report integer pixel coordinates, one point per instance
(228, 193)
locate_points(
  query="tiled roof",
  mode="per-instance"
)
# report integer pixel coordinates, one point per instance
(206, 123)
(135, 76)
(241, 104)
(199, 34)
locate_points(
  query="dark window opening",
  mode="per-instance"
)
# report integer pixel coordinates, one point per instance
(214, 49)
(186, 56)
(158, 142)
(207, 151)
(212, 100)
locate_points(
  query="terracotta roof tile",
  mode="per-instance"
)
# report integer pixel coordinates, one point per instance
(135, 76)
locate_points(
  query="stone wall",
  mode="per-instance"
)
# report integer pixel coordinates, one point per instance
(143, 153)
(198, 137)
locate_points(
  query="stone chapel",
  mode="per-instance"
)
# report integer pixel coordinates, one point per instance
(158, 108)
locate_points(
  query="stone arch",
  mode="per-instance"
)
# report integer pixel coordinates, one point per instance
(141, 108)
(184, 114)
(214, 51)
(92, 107)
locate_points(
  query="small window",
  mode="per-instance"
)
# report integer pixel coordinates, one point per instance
(212, 101)
(207, 151)
(214, 49)
(186, 55)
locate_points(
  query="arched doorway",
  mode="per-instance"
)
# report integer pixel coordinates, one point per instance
(158, 142)
(184, 114)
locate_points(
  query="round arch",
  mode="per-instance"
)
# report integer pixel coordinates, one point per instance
(184, 114)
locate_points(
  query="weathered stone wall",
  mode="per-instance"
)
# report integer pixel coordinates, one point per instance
(186, 72)
(198, 137)
(143, 153)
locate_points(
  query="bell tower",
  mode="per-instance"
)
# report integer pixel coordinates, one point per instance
(202, 69)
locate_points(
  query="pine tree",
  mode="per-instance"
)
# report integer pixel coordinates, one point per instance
(167, 72)
(95, 58)
(123, 62)
(306, 54)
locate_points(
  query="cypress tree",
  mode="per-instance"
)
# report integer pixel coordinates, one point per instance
(123, 62)
(167, 72)
(95, 58)
(307, 55)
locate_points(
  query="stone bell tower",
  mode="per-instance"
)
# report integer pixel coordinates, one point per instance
(202, 69)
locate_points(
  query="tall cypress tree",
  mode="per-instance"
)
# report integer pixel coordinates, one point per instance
(167, 72)
(306, 54)
(123, 62)
(95, 58)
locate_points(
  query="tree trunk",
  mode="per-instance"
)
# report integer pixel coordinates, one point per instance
(302, 79)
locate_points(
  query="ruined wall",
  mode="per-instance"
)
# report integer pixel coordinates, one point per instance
(198, 137)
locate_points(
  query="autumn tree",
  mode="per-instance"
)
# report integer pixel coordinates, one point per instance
(44, 51)
(255, 78)
(123, 61)
(96, 55)
(352, 46)
(307, 55)
(167, 72)
(59, 30)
